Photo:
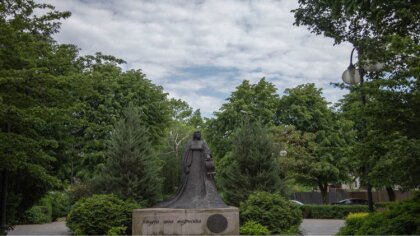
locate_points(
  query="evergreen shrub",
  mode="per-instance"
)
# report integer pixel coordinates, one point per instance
(253, 228)
(353, 223)
(331, 211)
(39, 214)
(401, 218)
(99, 214)
(272, 210)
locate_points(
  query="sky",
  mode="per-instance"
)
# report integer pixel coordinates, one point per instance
(201, 50)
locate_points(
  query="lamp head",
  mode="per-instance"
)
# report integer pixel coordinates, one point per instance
(351, 75)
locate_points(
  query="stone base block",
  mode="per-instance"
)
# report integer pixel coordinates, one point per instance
(168, 221)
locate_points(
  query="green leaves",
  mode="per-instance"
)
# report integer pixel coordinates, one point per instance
(132, 170)
(250, 166)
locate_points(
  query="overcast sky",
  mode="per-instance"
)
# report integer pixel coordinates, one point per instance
(199, 51)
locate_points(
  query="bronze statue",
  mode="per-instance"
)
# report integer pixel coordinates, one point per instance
(197, 189)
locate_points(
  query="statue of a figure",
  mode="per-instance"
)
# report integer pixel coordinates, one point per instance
(197, 189)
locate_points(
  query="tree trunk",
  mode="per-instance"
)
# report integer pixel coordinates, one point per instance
(324, 193)
(3, 201)
(391, 193)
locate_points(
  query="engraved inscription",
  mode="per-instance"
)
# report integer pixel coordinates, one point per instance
(181, 222)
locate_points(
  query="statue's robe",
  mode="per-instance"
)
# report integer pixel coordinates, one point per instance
(197, 189)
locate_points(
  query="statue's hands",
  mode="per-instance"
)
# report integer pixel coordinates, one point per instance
(187, 170)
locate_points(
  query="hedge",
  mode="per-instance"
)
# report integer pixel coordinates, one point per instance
(331, 211)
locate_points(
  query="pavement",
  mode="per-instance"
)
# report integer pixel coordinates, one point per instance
(320, 227)
(53, 228)
(308, 227)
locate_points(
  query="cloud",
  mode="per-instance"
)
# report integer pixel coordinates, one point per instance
(200, 51)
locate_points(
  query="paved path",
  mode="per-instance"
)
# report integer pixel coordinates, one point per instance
(54, 228)
(320, 227)
(308, 227)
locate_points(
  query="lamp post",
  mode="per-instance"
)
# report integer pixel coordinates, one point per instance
(354, 76)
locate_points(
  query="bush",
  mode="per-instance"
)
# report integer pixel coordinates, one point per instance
(115, 231)
(382, 205)
(273, 211)
(353, 223)
(49, 208)
(38, 214)
(60, 203)
(401, 218)
(331, 211)
(99, 214)
(254, 228)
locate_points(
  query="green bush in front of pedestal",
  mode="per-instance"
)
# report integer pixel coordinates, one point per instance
(272, 210)
(98, 214)
(253, 228)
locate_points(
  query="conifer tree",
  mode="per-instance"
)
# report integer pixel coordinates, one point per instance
(250, 166)
(132, 169)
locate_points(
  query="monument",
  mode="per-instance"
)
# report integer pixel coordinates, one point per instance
(196, 208)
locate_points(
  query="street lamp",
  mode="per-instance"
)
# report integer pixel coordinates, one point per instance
(354, 76)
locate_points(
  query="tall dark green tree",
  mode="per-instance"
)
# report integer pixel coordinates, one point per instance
(250, 166)
(132, 168)
(35, 105)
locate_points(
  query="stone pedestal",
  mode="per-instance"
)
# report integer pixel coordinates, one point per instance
(168, 221)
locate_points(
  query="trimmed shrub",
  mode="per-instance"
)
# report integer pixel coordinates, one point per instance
(38, 214)
(353, 223)
(331, 211)
(253, 228)
(272, 210)
(382, 205)
(99, 214)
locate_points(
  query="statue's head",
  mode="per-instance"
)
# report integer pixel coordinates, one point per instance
(197, 135)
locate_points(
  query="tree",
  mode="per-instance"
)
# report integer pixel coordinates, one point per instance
(105, 91)
(171, 154)
(388, 143)
(132, 168)
(316, 139)
(382, 31)
(257, 101)
(250, 166)
(33, 81)
(378, 28)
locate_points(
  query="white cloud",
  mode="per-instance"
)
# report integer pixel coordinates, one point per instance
(164, 38)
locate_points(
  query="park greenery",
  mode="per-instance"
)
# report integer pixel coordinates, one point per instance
(81, 131)
(272, 210)
(401, 218)
(99, 214)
